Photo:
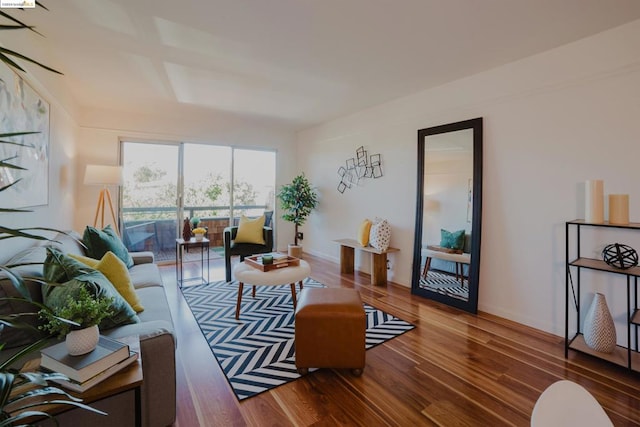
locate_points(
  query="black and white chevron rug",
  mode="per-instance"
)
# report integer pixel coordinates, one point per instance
(257, 352)
(445, 284)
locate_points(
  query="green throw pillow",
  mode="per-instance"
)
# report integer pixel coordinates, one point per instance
(452, 240)
(99, 242)
(71, 275)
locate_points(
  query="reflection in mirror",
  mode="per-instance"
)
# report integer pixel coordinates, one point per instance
(446, 253)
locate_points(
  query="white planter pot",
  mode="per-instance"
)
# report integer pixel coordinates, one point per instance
(599, 329)
(82, 341)
(199, 237)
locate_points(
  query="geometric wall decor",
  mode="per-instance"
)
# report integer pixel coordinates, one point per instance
(359, 168)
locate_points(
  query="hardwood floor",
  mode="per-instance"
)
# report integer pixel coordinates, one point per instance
(453, 369)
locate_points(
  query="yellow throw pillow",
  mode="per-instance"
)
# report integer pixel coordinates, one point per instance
(363, 232)
(91, 262)
(117, 272)
(250, 231)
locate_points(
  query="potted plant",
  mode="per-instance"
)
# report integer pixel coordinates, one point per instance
(17, 389)
(77, 320)
(297, 200)
(199, 233)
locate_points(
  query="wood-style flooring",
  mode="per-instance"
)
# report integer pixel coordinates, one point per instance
(453, 369)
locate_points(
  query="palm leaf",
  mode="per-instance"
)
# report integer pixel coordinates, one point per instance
(26, 58)
(20, 24)
(6, 383)
(41, 343)
(9, 134)
(5, 163)
(4, 58)
(15, 27)
(9, 233)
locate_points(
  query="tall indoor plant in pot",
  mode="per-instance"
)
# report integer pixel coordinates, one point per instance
(297, 200)
(18, 389)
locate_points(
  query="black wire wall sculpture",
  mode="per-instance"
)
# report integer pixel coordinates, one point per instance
(359, 168)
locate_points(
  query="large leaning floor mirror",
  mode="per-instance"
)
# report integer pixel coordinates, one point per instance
(446, 257)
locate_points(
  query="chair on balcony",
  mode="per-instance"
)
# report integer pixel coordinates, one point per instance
(232, 248)
(135, 235)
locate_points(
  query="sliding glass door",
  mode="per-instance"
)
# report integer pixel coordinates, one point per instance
(166, 183)
(150, 198)
(254, 177)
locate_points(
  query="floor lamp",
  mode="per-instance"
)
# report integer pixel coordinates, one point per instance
(105, 176)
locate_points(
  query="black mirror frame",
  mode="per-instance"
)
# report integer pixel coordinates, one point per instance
(471, 305)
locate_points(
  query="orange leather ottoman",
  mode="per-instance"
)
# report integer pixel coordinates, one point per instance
(330, 330)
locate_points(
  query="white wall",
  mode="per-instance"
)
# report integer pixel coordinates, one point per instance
(551, 121)
(101, 132)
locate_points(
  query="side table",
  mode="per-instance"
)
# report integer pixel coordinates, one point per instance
(181, 244)
(127, 380)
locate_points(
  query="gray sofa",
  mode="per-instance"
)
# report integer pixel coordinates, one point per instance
(155, 330)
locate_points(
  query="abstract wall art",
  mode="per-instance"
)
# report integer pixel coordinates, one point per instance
(358, 168)
(25, 159)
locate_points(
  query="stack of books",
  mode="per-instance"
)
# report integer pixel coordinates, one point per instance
(85, 371)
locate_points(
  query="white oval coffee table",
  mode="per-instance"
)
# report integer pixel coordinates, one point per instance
(286, 275)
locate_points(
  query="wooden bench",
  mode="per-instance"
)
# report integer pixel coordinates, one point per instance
(434, 251)
(378, 264)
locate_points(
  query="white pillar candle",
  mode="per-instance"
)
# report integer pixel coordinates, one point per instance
(619, 209)
(594, 201)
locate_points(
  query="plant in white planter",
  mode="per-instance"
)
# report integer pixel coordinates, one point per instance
(297, 200)
(78, 321)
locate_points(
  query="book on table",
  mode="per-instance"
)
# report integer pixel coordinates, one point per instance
(107, 353)
(81, 387)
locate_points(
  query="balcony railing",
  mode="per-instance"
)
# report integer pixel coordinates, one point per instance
(154, 228)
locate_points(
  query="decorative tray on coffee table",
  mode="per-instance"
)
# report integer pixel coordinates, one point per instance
(255, 261)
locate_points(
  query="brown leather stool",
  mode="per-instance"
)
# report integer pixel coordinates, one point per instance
(330, 330)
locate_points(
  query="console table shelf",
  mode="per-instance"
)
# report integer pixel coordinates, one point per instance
(619, 356)
(622, 355)
(596, 264)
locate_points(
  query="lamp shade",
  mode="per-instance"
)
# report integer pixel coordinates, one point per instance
(103, 175)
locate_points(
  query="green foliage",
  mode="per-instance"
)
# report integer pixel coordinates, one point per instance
(148, 191)
(77, 313)
(145, 174)
(8, 56)
(297, 200)
(18, 389)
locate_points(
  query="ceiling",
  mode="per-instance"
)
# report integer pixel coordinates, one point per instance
(296, 63)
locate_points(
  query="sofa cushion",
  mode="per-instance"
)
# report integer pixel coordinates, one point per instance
(99, 242)
(144, 276)
(69, 242)
(73, 275)
(24, 265)
(250, 231)
(118, 274)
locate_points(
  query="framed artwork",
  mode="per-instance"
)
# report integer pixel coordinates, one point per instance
(22, 109)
